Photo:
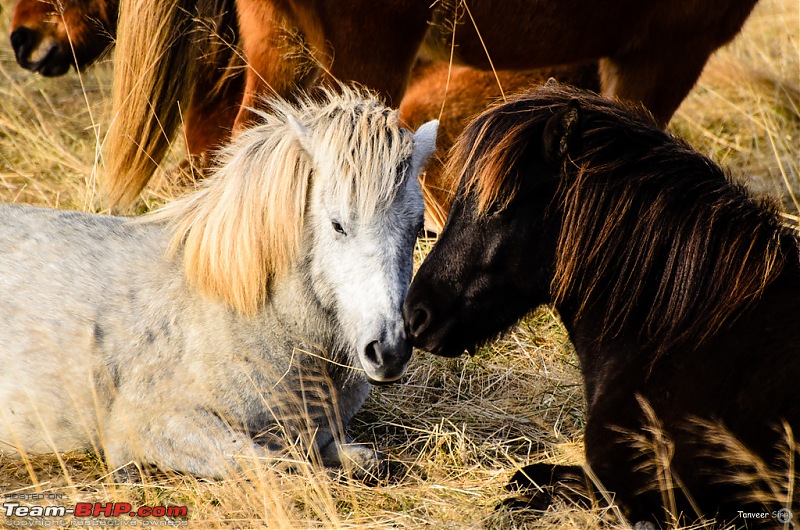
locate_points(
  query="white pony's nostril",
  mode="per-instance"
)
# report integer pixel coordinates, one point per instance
(372, 352)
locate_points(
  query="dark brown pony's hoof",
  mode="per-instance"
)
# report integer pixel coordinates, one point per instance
(538, 486)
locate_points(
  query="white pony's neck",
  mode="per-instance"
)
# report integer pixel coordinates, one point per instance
(303, 324)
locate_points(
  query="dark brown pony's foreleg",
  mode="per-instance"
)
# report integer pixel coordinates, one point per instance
(539, 486)
(659, 79)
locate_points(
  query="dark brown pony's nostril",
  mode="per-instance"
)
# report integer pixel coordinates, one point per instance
(21, 38)
(419, 321)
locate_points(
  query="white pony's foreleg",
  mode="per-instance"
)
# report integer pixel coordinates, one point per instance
(360, 460)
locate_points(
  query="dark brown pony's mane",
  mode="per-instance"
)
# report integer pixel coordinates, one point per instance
(653, 235)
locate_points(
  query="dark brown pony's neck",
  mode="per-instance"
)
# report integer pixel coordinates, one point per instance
(653, 236)
(656, 239)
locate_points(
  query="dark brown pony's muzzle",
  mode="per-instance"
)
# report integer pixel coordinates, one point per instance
(424, 327)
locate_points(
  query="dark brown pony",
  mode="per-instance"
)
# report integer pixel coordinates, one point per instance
(679, 291)
(652, 52)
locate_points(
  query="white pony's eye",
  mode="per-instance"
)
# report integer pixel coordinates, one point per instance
(338, 227)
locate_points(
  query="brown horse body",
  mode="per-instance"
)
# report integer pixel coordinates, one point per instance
(451, 93)
(456, 94)
(652, 52)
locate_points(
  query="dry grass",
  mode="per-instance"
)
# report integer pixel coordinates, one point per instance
(459, 426)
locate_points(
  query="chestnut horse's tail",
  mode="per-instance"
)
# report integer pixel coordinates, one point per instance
(158, 54)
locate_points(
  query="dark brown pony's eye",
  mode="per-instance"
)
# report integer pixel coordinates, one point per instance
(497, 209)
(338, 227)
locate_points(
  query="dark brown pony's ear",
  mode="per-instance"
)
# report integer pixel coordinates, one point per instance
(559, 131)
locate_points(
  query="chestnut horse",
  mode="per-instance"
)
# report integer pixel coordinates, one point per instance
(651, 52)
(680, 293)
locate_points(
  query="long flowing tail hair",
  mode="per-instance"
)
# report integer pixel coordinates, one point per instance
(160, 45)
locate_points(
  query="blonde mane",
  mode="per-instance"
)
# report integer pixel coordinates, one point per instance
(243, 227)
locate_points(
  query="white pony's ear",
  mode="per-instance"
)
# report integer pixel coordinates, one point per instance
(424, 143)
(300, 132)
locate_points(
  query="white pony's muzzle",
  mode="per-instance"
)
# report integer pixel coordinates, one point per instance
(385, 359)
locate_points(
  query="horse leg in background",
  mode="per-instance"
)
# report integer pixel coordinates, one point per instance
(217, 92)
(286, 51)
(375, 50)
(659, 79)
(212, 112)
(277, 64)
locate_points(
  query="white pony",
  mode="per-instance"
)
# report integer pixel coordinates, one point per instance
(253, 312)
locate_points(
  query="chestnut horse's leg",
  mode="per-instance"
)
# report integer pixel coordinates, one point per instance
(659, 79)
(209, 120)
(376, 47)
(275, 63)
